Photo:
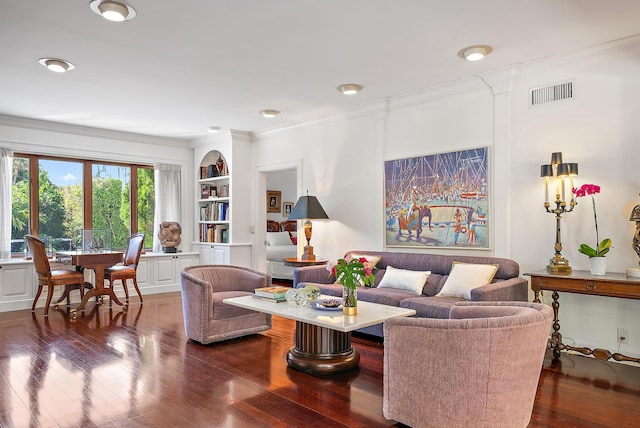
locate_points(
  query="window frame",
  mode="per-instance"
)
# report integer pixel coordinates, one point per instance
(87, 189)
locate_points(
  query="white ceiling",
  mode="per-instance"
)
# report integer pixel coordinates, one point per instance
(179, 67)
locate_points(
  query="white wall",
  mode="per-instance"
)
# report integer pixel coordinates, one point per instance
(342, 163)
(338, 168)
(599, 130)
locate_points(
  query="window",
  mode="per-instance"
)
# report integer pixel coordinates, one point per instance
(67, 195)
(111, 208)
(59, 201)
(146, 204)
(19, 204)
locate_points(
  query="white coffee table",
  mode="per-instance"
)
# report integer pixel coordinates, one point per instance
(323, 337)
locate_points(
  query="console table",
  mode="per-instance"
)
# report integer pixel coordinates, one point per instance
(582, 282)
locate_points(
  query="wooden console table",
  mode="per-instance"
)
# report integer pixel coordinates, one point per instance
(582, 282)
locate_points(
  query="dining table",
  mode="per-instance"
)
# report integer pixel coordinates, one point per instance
(97, 261)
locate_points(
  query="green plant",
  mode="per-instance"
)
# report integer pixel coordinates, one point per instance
(601, 247)
(352, 273)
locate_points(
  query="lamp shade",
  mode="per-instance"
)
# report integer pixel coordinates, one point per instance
(563, 170)
(546, 170)
(308, 207)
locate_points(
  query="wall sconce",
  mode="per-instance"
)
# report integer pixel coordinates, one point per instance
(635, 216)
(556, 176)
(308, 208)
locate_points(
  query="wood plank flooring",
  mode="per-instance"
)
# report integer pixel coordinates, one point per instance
(111, 368)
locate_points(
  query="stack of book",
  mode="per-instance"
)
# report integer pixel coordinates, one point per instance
(274, 294)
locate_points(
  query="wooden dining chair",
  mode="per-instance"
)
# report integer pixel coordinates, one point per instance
(48, 277)
(128, 269)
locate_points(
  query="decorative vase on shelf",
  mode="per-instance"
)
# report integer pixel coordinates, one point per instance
(598, 265)
(349, 301)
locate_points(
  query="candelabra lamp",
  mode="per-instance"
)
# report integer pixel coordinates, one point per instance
(635, 216)
(308, 208)
(557, 175)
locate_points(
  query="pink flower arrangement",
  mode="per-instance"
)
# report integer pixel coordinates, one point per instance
(352, 272)
(602, 247)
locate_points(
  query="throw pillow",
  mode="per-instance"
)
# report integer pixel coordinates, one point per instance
(373, 260)
(402, 279)
(278, 238)
(464, 277)
(294, 238)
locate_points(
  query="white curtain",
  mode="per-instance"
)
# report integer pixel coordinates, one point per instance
(168, 197)
(6, 169)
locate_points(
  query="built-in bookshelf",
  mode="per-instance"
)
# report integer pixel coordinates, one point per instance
(214, 209)
(222, 192)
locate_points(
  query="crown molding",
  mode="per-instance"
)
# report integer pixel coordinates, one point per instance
(592, 54)
(57, 127)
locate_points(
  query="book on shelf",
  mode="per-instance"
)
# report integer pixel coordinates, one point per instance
(204, 191)
(214, 211)
(272, 292)
(217, 233)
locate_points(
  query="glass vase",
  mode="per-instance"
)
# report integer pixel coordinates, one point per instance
(349, 301)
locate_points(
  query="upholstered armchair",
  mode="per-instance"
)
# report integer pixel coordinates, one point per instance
(206, 318)
(479, 368)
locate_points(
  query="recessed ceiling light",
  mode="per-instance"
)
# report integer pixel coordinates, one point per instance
(349, 88)
(269, 113)
(213, 129)
(113, 10)
(57, 65)
(475, 53)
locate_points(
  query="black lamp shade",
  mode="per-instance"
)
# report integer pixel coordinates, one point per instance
(563, 170)
(546, 171)
(308, 207)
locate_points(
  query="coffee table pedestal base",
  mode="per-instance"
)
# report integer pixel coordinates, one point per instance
(319, 350)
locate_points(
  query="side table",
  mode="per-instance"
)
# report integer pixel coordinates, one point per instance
(295, 262)
(582, 282)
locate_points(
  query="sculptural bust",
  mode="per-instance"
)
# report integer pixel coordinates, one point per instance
(169, 236)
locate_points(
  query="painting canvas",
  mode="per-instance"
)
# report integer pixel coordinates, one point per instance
(439, 200)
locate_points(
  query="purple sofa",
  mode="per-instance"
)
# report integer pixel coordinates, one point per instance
(506, 284)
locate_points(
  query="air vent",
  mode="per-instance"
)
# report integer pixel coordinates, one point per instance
(561, 91)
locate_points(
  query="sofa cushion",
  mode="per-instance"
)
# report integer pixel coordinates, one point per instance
(464, 277)
(430, 307)
(433, 285)
(372, 259)
(384, 296)
(223, 311)
(403, 279)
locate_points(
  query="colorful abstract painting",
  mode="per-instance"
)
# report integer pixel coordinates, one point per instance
(438, 200)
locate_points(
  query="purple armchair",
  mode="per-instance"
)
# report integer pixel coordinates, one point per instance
(206, 318)
(479, 368)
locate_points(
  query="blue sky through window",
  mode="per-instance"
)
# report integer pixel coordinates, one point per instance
(62, 173)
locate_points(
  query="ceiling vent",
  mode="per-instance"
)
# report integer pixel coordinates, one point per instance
(547, 94)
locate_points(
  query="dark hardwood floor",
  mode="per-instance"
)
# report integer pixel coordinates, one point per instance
(110, 368)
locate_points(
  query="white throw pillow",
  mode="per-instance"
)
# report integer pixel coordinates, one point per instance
(402, 279)
(464, 277)
(279, 238)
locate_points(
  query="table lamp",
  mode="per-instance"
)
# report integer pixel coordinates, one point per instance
(557, 175)
(308, 208)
